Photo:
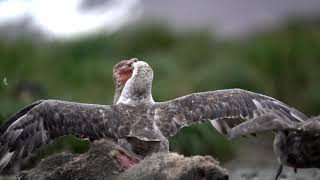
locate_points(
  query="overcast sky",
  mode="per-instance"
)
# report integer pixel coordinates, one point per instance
(230, 17)
(70, 17)
(63, 18)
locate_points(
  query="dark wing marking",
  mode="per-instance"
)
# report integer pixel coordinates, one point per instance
(41, 122)
(218, 106)
(269, 122)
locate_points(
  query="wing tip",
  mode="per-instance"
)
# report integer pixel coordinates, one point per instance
(16, 116)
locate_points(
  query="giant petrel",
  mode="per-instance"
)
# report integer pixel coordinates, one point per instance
(134, 119)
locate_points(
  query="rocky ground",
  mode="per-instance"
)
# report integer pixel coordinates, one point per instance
(261, 174)
(254, 161)
(269, 174)
(100, 162)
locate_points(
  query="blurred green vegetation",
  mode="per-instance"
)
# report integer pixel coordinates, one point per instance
(284, 64)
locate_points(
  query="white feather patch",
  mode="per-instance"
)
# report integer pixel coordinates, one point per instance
(217, 125)
(295, 116)
(258, 104)
(6, 159)
(155, 127)
(260, 109)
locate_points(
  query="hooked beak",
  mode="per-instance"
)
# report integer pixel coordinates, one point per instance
(132, 61)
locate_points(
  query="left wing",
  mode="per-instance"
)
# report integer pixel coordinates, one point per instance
(227, 108)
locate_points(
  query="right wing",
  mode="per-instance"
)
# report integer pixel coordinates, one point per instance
(224, 108)
(43, 121)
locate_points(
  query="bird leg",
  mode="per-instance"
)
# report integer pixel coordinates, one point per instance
(124, 160)
(279, 171)
(295, 169)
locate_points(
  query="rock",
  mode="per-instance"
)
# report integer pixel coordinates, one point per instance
(99, 163)
(267, 173)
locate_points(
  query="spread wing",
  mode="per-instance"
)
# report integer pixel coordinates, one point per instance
(41, 122)
(272, 122)
(269, 122)
(227, 108)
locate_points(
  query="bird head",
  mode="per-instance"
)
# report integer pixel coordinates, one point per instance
(123, 71)
(132, 75)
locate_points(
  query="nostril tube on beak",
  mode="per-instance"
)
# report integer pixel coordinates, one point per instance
(134, 59)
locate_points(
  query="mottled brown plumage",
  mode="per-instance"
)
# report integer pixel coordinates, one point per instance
(135, 120)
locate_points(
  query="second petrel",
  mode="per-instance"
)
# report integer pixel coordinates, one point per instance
(296, 144)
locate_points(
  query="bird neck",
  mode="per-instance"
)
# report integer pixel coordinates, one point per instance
(136, 90)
